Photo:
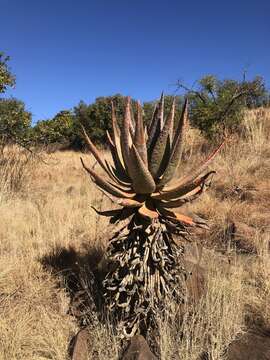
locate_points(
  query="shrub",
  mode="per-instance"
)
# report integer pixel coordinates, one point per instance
(6, 77)
(15, 122)
(216, 105)
(58, 130)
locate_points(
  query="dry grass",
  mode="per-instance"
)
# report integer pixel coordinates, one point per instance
(16, 167)
(212, 323)
(50, 239)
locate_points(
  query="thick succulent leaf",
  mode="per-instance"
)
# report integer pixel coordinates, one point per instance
(182, 218)
(121, 178)
(112, 176)
(161, 111)
(108, 213)
(162, 142)
(148, 213)
(200, 222)
(146, 135)
(126, 140)
(156, 126)
(174, 228)
(105, 185)
(120, 171)
(124, 188)
(130, 203)
(199, 169)
(126, 203)
(95, 151)
(118, 152)
(182, 189)
(109, 138)
(181, 128)
(189, 197)
(177, 148)
(116, 134)
(124, 214)
(139, 139)
(116, 130)
(132, 124)
(104, 164)
(142, 180)
(152, 121)
(115, 215)
(165, 160)
(115, 176)
(187, 220)
(195, 172)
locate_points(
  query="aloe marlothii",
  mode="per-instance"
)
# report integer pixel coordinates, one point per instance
(144, 161)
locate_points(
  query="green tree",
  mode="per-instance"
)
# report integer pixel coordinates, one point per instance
(6, 77)
(96, 117)
(15, 122)
(59, 130)
(216, 105)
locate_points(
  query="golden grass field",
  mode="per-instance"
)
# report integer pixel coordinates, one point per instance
(50, 239)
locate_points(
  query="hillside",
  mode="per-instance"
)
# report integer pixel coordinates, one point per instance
(51, 244)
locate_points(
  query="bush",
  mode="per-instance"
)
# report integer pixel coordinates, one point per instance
(65, 130)
(216, 105)
(6, 77)
(15, 122)
(59, 130)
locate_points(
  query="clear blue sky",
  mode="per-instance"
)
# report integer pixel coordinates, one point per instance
(63, 51)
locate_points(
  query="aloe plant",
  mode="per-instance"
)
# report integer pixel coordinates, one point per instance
(148, 260)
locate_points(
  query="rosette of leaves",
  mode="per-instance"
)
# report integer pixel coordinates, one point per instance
(147, 260)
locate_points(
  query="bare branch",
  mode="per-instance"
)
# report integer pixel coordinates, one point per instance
(180, 85)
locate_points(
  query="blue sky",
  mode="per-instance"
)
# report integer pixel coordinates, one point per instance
(66, 51)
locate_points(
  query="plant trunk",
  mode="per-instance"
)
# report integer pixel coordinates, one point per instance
(148, 270)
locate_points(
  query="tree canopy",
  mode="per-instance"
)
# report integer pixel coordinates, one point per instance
(216, 105)
(15, 122)
(6, 77)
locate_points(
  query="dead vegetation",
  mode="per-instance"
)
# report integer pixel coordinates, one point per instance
(51, 244)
